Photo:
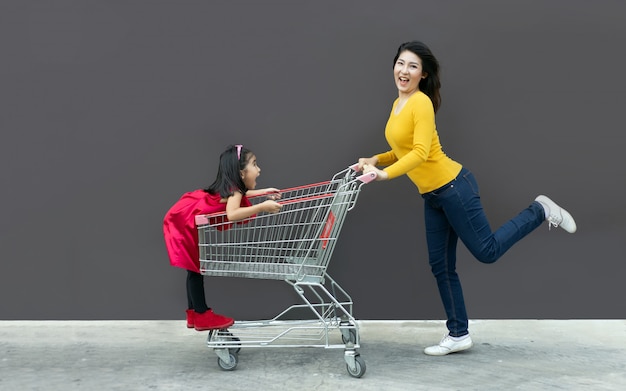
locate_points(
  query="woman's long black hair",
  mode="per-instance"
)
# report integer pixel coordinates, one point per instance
(431, 84)
(229, 172)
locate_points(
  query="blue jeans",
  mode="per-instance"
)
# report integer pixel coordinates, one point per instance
(454, 211)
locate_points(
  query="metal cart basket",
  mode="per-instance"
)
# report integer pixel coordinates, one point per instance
(294, 245)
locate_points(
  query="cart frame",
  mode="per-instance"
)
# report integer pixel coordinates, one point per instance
(294, 245)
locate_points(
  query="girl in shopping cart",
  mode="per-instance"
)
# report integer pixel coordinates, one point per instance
(452, 207)
(235, 182)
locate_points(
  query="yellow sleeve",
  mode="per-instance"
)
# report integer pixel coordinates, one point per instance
(386, 158)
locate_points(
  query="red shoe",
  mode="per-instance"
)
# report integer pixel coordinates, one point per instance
(210, 321)
(190, 319)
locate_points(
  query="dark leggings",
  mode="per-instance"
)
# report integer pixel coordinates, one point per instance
(195, 292)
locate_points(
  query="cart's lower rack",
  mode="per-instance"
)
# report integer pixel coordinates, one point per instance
(286, 333)
(332, 333)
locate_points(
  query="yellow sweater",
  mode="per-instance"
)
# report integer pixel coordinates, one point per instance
(415, 148)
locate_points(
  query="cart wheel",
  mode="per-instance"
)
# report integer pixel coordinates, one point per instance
(359, 369)
(236, 349)
(350, 338)
(229, 366)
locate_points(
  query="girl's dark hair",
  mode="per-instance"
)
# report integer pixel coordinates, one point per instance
(431, 84)
(229, 172)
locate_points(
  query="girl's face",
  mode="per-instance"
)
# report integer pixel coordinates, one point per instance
(250, 172)
(407, 72)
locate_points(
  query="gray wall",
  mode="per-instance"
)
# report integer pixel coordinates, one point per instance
(109, 111)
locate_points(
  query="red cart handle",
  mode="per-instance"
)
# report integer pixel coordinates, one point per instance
(365, 178)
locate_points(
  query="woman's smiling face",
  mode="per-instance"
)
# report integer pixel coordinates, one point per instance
(407, 72)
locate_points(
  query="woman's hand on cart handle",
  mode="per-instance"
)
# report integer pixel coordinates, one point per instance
(369, 169)
(369, 161)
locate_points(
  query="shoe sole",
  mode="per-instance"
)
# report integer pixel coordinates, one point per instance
(224, 326)
(450, 352)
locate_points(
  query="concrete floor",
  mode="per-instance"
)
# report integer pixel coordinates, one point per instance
(164, 355)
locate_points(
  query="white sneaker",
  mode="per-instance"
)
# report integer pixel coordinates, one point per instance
(449, 345)
(557, 216)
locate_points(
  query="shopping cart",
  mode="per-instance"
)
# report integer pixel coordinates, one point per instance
(294, 245)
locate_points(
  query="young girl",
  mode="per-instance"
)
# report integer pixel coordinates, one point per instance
(452, 207)
(236, 180)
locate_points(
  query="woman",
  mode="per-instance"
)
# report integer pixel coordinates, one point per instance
(452, 207)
